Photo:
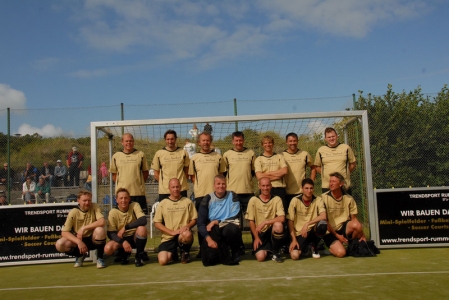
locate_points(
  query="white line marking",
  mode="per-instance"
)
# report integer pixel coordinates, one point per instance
(220, 280)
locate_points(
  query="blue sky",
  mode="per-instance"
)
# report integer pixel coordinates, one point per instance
(57, 54)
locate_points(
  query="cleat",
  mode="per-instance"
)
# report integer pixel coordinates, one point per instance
(119, 255)
(138, 261)
(125, 259)
(235, 258)
(277, 258)
(315, 253)
(144, 256)
(185, 258)
(79, 261)
(100, 263)
(242, 250)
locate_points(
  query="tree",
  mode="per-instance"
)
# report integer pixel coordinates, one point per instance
(406, 132)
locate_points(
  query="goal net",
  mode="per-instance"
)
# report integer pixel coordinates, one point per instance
(352, 127)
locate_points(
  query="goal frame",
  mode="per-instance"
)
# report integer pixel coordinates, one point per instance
(356, 115)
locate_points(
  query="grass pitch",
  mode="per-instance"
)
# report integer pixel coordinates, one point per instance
(393, 274)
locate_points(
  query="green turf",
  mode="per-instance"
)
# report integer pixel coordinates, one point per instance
(394, 274)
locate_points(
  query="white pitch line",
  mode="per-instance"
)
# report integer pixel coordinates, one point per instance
(220, 280)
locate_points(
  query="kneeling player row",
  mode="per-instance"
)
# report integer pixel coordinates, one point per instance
(218, 225)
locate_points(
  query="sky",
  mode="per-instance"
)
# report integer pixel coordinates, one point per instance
(94, 53)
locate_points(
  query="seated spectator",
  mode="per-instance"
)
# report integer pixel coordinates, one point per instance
(42, 190)
(88, 183)
(4, 176)
(28, 188)
(47, 172)
(151, 178)
(60, 174)
(3, 200)
(30, 171)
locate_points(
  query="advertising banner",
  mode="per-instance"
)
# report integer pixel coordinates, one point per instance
(414, 217)
(28, 233)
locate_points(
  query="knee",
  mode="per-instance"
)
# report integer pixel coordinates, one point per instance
(99, 233)
(357, 230)
(163, 258)
(261, 255)
(295, 254)
(278, 227)
(142, 231)
(186, 237)
(338, 251)
(60, 245)
(109, 248)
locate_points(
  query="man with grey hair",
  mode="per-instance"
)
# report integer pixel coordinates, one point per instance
(60, 173)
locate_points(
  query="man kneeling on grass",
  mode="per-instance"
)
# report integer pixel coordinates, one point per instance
(306, 221)
(341, 209)
(219, 225)
(83, 231)
(266, 215)
(126, 228)
(175, 216)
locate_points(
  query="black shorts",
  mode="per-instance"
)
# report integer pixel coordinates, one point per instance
(266, 239)
(74, 251)
(130, 240)
(170, 246)
(304, 242)
(142, 200)
(163, 196)
(330, 238)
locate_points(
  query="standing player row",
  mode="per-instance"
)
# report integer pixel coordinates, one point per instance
(286, 170)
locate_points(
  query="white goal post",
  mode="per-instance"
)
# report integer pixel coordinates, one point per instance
(352, 127)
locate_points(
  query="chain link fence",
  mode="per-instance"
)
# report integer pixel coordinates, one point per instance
(407, 137)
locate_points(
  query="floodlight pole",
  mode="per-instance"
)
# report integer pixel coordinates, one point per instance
(235, 114)
(8, 147)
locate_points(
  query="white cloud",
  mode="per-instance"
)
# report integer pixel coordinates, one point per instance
(48, 130)
(209, 33)
(351, 18)
(11, 98)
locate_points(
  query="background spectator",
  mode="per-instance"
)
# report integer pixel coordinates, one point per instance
(104, 173)
(30, 171)
(47, 172)
(4, 177)
(208, 128)
(60, 173)
(74, 162)
(194, 132)
(42, 190)
(28, 189)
